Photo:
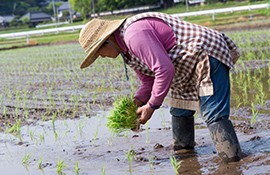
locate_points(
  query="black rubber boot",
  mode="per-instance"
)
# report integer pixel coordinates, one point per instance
(225, 140)
(183, 133)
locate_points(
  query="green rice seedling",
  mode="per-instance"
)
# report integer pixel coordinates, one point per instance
(94, 98)
(2, 99)
(88, 108)
(76, 104)
(50, 95)
(31, 133)
(34, 97)
(132, 81)
(249, 75)
(25, 159)
(42, 138)
(245, 89)
(236, 108)
(43, 116)
(176, 165)
(14, 88)
(103, 99)
(103, 171)
(75, 137)
(130, 155)
(147, 140)
(54, 76)
(262, 95)
(254, 113)
(16, 128)
(40, 162)
(26, 114)
(95, 136)
(55, 135)
(109, 142)
(16, 111)
(77, 168)
(53, 119)
(81, 126)
(48, 78)
(256, 80)
(5, 112)
(9, 96)
(65, 106)
(6, 90)
(150, 158)
(60, 166)
(40, 89)
(123, 116)
(74, 112)
(111, 84)
(18, 97)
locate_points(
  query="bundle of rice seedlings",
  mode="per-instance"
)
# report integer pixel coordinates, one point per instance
(123, 116)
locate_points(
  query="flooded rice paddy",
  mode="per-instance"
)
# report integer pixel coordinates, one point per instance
(53, 116)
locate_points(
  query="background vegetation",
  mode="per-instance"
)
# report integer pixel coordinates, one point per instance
(255, 18)
(21, 7)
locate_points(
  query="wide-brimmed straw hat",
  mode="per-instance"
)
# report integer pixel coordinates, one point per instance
(93, 35)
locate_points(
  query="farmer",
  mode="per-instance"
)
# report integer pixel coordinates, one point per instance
(169, 53)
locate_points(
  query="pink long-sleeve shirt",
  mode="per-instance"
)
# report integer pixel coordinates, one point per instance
(149, 39)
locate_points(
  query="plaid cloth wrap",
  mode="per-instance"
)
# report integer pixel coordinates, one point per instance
(190, 58)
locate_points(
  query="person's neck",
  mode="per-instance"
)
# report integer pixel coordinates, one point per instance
(113, 42)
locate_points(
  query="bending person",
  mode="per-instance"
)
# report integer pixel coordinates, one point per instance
(169, 53)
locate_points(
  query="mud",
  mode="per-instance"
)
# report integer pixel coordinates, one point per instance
(152, 148)
(38, 84)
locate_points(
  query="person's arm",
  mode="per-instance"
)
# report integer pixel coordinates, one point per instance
(145, 44)
(143, 94)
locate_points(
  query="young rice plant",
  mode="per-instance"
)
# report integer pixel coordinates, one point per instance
(123, 116)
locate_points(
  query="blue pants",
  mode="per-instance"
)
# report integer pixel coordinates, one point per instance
(217, 106)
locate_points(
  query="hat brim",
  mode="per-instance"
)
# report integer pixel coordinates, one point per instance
(93, 55)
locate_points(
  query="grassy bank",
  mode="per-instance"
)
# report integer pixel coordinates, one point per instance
(38, 40)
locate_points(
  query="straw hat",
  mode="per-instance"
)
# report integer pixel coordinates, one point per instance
(93, 35)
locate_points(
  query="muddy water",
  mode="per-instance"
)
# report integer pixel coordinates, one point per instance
(73, 141)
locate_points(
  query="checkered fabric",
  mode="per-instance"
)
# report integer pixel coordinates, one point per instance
(189, 55)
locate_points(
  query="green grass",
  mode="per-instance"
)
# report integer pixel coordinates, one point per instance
(57, 38)
(181, 8)
(230, 18)
(43, 39)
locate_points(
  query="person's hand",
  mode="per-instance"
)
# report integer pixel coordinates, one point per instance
(146, 113)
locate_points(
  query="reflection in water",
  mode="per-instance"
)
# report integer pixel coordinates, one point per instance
(190, 164)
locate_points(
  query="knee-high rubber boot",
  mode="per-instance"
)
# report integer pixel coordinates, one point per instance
(183, 133)
(225, 140)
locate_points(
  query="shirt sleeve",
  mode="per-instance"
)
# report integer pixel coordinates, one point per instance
(145, 43)
(144, 92)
